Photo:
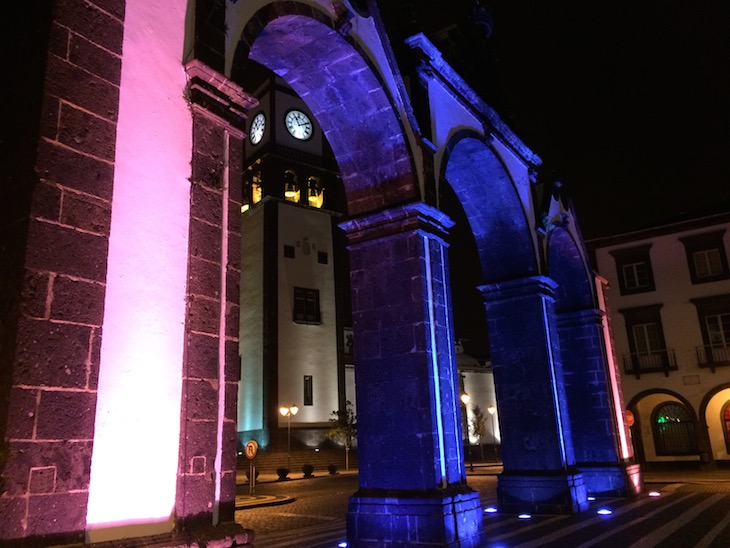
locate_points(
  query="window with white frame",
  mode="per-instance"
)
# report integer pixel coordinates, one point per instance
(633, 267)
(635, 275)
(708, 263)
(713, 313)
(706, 256)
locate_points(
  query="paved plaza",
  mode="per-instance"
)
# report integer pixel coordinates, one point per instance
(692, 510)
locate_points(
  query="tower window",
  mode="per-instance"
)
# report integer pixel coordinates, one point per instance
(322, 257)
(291, 186)
(306, 305)
(289, 251)
(308, 390)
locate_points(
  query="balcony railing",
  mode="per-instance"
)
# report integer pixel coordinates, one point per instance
(713, 356)
(655, 361)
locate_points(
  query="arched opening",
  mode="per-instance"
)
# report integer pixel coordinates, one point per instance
(599, 437)
(402, 332)
(521, 319)
(654, 442)
(496, 215)
(715, 410)
(346, 97)
(673, 429)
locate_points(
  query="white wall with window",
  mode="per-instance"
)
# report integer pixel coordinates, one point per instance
(307, 328)
(669, 303)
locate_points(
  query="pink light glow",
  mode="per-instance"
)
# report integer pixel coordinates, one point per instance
(617, 398)
(135, 458)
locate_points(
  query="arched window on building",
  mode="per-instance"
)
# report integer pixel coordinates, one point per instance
(674, 430)
(726, 424)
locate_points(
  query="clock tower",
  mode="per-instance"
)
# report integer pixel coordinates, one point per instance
(293, 276)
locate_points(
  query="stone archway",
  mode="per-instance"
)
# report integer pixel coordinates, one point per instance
(643, 406)
(600, 440)
(123, 233)
(712, 437)
(519, 300)
(346, 97)
(411, 462)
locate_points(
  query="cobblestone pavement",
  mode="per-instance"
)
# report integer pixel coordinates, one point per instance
(693, 510)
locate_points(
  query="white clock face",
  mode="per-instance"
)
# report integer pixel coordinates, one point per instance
(258, 126)
(299, 125)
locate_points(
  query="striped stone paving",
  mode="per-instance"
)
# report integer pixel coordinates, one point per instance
(692, 510)
(676, 519)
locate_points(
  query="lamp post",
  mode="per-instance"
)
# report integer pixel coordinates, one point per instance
(492, 410)
(288, 412)
(465, 399)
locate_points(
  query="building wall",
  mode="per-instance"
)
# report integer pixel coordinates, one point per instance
(251, 390)
(699, 388)
(307, 349)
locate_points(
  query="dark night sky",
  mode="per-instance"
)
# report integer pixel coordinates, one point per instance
(628, 103)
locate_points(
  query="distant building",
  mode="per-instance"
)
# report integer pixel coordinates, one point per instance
(296, 341)
(670, 308)
(291, 312)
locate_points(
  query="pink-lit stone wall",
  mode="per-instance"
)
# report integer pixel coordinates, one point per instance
(137, 424)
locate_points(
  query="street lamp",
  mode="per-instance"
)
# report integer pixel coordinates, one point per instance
(492, 410)
(465, 399)
(288, 412)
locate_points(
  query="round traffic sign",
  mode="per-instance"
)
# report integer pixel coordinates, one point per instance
(251, 448)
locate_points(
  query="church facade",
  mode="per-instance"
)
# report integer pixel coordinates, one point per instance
(122, 238)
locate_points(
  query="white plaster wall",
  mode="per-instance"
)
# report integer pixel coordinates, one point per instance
(307, 349)
(715, 425)
(135, 457)
(480, 387)
(250, 390)
(679, 316)
(680, 323)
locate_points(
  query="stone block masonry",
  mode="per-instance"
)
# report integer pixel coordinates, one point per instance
(55, 355)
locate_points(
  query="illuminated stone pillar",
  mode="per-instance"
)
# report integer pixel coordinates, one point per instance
(62, 102)
(595, 408)
(537, 448)
(208, 441)
(412, 477)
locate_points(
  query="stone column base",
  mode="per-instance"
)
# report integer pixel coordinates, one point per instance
(407, 519)
(612, 480)
(541, 493)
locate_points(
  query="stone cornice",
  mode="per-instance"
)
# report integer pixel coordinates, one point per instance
(212, 94)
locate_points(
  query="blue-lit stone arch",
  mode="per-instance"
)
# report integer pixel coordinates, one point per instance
(519, 303)
(594, 405)
(411, 465)
(566, 264)
(345, 93)
(492, 205)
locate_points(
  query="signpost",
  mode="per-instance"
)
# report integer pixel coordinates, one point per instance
(251, 449)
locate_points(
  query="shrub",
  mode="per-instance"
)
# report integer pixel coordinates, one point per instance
(307, 470)
(282, 473)
(255, 473)
(332, 469)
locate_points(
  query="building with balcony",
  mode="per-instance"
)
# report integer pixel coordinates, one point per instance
(669, 302)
